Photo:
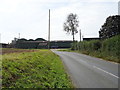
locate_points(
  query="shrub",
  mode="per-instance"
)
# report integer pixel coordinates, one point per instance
(108, 49)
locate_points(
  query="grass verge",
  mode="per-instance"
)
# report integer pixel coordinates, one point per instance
(67, 50)
(40, 69)
(94, 54)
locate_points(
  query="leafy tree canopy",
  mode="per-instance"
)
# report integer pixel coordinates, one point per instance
(71, 24)
(111, 27)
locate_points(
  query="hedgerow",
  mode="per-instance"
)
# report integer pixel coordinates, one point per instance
(108, 49)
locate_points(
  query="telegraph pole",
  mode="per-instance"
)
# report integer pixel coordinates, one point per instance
(19, 36)
(80, 35)
(49, 31)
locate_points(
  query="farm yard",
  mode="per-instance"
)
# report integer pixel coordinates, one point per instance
(29, 68)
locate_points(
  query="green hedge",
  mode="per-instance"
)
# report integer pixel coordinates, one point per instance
(108, 49)
(112, 46)
(87, 45)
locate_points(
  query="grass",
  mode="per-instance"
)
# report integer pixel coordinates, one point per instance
(0, 68)
(38, 69)
(13, 50)
(67, 50)
(95, 54)
(102, 56)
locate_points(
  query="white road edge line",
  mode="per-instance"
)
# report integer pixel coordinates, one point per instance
(106, 72)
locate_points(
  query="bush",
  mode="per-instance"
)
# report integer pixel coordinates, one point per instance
(108, 49)
(111, 46)
(89, 45)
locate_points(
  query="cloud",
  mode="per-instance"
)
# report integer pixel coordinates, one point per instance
(30, 17)
(91, 15)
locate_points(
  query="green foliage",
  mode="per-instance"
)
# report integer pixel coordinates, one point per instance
(110, 27)
(40, 69)
(108, 49)
(87, 45)
(112, 47)
(67, 50)
(71, 24)
(0, 68)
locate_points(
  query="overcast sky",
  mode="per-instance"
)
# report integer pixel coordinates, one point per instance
(30, 17)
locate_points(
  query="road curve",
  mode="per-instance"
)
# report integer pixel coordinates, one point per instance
(89, 72)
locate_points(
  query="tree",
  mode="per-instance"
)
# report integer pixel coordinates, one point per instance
(110, 27)
(71, 24)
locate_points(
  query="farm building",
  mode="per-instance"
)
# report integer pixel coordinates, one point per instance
(29, 44)
(60, 44)
(88, 39)
(3, 45)
(39, 43)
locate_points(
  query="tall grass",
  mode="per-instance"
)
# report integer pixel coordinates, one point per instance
(40, 69)
(108, 49)
(0, 68)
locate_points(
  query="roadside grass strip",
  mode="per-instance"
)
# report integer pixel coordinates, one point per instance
(38, 69)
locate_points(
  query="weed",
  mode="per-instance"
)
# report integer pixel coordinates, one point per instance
(38, 69)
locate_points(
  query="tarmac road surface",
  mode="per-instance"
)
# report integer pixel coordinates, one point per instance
(89, 72)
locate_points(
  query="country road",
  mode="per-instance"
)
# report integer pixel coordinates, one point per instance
(89, 72)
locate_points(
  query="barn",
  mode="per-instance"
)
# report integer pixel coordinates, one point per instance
(40, 43)
(3, 45)
(88, 39)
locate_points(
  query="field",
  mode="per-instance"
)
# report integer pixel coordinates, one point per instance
(33, 69)
(12, 50)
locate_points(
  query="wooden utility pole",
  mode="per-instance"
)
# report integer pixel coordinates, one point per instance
(19, 36)
(80, 35)
(49, 31)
